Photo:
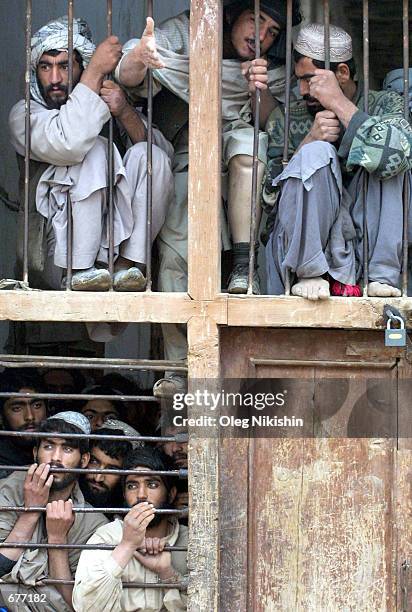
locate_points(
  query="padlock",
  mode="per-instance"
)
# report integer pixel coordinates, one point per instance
(395, 337)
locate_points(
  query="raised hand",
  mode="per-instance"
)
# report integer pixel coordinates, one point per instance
(114, 97)
(36, 489)
(256, 74)
(106, 57)
(135, 524)
(146, 50)
(59, 520)
(326, 127)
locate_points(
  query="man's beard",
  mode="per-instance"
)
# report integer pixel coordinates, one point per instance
(158, 518)
(66, 479)
(96, 498)
(313, 105)
(54, 103)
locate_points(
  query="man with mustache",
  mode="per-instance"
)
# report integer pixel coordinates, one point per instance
(316, 229)
(69, 159)
(20, 414)
(59, 525)
(139, 541)
(103, 490)
(165, 49)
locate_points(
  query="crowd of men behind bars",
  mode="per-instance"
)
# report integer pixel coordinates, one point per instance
(346, 172)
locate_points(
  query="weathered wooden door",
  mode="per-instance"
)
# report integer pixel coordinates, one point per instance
(321, 523)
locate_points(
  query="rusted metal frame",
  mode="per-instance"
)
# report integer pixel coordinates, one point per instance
(27, 142)
(255, 167)
(181, 474)
(110, 162)
(285, 160)
(365, 174)
(93, 436)
(90, 510)
(326, 24)
(69, 264)
(406, 194)
(34, 545)
(84, 396)
(149, 174)
(10, 361)
(182, 586)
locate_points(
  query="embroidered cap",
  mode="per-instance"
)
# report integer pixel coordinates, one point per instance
(115, 424)
(73, 418)
(311, 43)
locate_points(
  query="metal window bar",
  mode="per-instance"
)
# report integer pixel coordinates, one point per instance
(149, 174)
(406, 194)
(85, 396)
(33, 546)
(36, 434)
(254, 195)
(89, 510)
(181, 474)
(326, 25)
(87, 363)
(285, 159)
(69, 272)
(110, 161)
(27, 143)
(365, 174)
(182, 586)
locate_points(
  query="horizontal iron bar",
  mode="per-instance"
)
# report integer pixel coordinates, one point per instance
(182, 586)
(34, 545)
(83, 396)
(88, 510)
(46, 361)
(176, 473)
(183, 437)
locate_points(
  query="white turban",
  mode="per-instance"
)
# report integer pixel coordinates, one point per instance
(55, 35)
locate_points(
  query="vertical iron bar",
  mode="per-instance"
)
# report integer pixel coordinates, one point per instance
(365, 174)
(253, 200)
(406, 194)
(326, 22)
(110, 161)
(27, 142)
(69, 202)
(287, 105)
(149, 179)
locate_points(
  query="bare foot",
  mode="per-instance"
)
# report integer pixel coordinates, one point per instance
(376, 289)
(312, 288)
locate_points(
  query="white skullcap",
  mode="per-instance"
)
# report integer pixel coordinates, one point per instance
(311, 43)
(73, 418)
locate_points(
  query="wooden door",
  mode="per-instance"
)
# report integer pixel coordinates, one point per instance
(320, 523)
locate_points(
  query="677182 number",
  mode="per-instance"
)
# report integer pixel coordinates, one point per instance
(29, 597)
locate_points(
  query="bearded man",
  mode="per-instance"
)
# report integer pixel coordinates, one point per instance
(20, 414)
(317, 230)
(69, 159)
(21, 569)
